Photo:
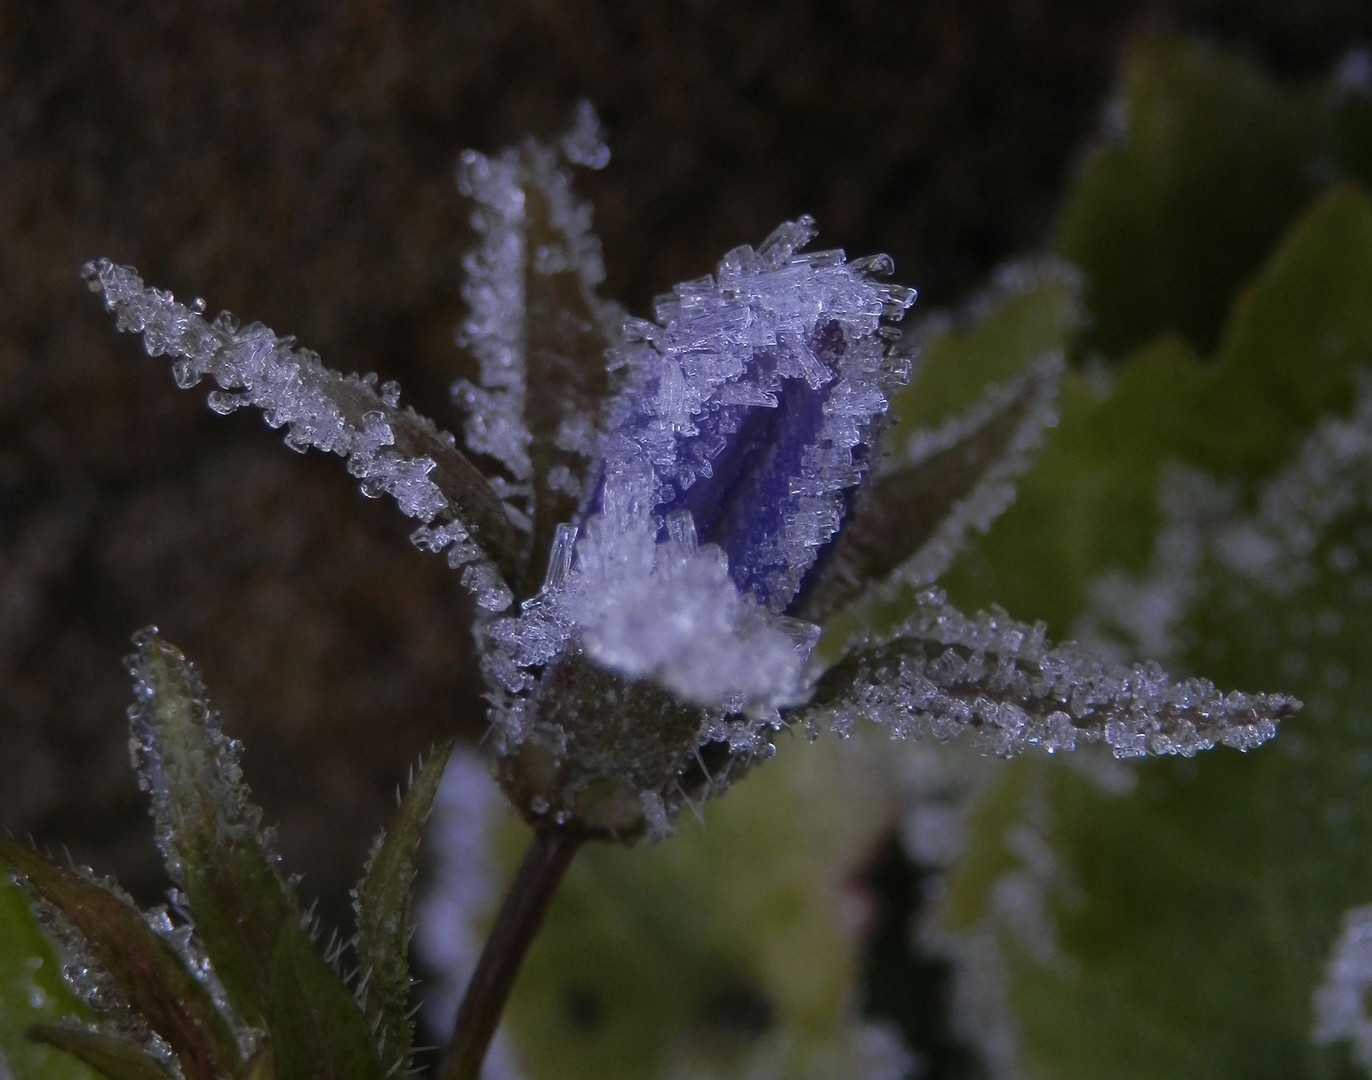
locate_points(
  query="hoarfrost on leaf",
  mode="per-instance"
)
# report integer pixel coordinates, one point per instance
(392, 451)
(943, 673)
(178, 746)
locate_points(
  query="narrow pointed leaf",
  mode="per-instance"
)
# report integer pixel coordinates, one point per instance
(566, 350)
(382, 902)
(391, 450)
(317, 1029)
(944, 674)
(209, 830)
(910, 519)
(143, 966)
(536, 326)
(111, 1056)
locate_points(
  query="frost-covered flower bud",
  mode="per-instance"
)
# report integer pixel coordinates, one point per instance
(745, 420)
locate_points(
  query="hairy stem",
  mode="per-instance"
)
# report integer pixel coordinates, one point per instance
(515, 927)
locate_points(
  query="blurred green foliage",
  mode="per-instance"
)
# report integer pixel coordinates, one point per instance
(1194, 915)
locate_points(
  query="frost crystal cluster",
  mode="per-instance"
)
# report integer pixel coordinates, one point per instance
(657, 516)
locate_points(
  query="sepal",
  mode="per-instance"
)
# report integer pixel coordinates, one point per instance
(908, 522)
(536, 326)
(390, 450)
(943, 674)
(208, 828)
(382, 902)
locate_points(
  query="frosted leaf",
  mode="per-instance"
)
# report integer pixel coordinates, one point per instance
(382, 902)
(909, 522)
(1142, 615)
(943, 673)
(535, 322)
(392, 451)
(1341, 999)
(129, 965)
(178, 745)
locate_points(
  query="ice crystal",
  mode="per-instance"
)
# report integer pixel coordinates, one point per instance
(747, 413)
(678, 503)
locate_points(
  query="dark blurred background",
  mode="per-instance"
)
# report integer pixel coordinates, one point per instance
(294, 163)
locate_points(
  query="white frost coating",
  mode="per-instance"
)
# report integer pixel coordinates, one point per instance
(459, 894)
(1273, 549)
(1341, 999)
(253, 366)
(496, 271)
(178, 745)
(943, 673)
(995, 490)
(1147, 612)
(727, 345)
(664, 609)
(584, 144)
(494, 330)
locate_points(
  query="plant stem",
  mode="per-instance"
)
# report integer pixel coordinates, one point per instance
(515, 927)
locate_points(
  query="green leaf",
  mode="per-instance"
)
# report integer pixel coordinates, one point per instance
(1193, 915)
(317, 1030)
(32, 991)
(247, 917)
(144, 966)
(1169, 215)
(208, 827)
(111, 1056)
(382, 902)
(1289, 354)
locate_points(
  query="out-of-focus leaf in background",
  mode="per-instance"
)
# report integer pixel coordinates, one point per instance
(1192, 915)
(1205, 159)
(733, 947)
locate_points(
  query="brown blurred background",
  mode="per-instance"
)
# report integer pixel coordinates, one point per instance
(293, 162)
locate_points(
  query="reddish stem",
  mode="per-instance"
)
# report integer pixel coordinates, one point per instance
(515, 927)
